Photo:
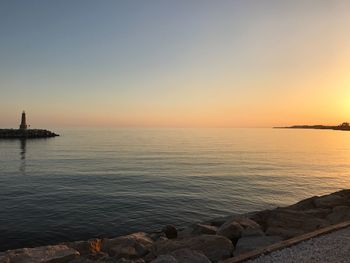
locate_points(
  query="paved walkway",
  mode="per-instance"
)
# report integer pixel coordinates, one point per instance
(329, 248)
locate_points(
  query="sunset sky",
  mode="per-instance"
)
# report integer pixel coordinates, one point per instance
(185, 63)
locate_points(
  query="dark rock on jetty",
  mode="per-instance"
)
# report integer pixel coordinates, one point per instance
(217, 240)
(25, 134)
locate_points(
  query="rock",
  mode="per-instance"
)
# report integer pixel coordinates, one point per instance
(201, 229)
(219, 221)
(123, 260)
(339, 214)
(330, 201)
(189, 256)
(212, 246)
(283, 232)
(3, 258)
(185, 232)
(293, 221)
(237, 227)
(165, 259)
(131, 246)
(344, 194)
(250, 227)
(170, 231)
(246, 244)
(231, 230)
(305, 204)
(91, 246)
(45, 254)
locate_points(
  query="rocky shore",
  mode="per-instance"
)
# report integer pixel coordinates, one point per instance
(217, 240)
(25, 133)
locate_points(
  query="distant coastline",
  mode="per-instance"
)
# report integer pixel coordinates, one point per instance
(342, 127)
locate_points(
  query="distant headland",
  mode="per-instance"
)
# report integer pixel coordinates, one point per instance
(345, 126)
(24, 133)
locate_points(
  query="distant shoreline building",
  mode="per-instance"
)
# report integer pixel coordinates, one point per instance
(23, 125)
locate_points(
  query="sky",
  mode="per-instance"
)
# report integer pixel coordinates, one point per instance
(184, 63)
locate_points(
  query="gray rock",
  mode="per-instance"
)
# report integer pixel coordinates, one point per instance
(283, 232)
(212, 246)
(305, 204)
(339, 214)
(246, 244)
(131, 246)
(231, 230)
(237, 227)
(165, 259)
(293, 221)
(45, 254)
(189, 256)
(330, 201)
(201, 229)
(185, 232)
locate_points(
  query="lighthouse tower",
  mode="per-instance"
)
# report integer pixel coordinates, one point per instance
(23, 125)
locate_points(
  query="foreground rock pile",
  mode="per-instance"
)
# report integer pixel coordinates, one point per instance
(213, 241)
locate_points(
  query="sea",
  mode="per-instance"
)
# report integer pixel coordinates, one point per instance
(107, 182)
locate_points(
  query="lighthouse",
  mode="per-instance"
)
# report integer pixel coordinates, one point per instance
(23, 125)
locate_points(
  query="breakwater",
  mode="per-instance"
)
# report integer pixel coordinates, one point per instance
(216, 240)
(25, 133)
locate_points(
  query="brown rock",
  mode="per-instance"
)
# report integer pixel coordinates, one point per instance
(45, 254)
(284, 232)
(131, 246)
(246, 244)
(91, 246)
(305, 204)
(201, 229)
(330, 201)
(339, 214)
(170, 231)
(240, 226)
(231, 230)
(165, 259)
(289, 222)
(189, 256)
(212, 246)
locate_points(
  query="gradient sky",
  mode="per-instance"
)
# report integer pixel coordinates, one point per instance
(184, 63)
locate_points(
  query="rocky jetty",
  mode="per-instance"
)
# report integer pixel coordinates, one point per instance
(217, 240)
(25, 133)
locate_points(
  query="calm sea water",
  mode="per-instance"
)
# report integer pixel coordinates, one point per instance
(90, 183)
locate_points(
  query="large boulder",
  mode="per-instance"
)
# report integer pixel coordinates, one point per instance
(165, 259)
(132, 246)
(91, 246)
(202, 229)
(185, 256)
(286, 233)
(246, 244)
(293, 221)
(196, 230)
(232, 230)
(305, 204)
(45, 254)
(238, 227)
(339, 214)
(212, 246)
(332, 200)
(170, 231)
